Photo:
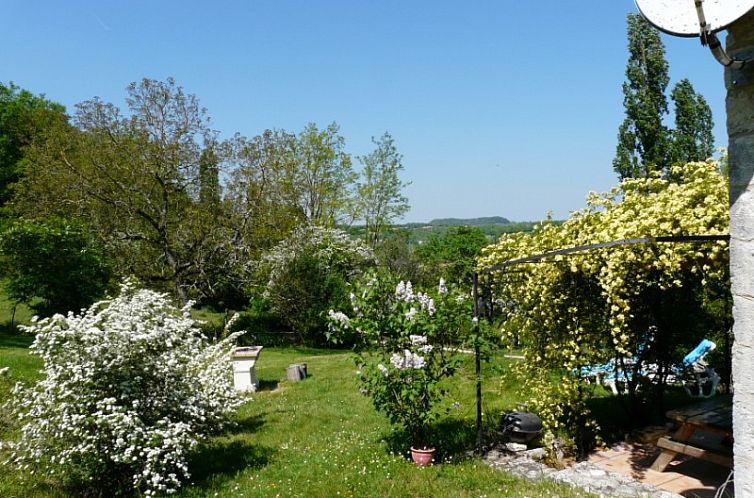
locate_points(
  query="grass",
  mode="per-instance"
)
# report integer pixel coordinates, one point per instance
(319, 438)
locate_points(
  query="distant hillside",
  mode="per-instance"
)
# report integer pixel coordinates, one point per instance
(470, 222)
(418, 233)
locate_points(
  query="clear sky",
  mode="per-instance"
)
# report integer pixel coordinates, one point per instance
(500, 108)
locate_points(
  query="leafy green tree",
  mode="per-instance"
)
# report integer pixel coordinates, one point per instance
(261, 193)
(642, 138)
(395, 254)
(22, 117)
(54, 261)
(453, 255)
(379, 197)
(323, 175)
(209, 179)
(305, 275)
(692, 136)
(136, 181)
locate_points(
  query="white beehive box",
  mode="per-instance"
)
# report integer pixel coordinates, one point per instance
(244, 363)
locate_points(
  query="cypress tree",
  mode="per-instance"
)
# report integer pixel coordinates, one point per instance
(692, 136)
(643, 139)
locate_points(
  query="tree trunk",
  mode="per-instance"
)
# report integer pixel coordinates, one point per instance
(740, 110)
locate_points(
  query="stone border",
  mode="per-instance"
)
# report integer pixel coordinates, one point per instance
(583, 475)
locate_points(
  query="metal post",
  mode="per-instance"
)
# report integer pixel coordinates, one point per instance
(478, 365)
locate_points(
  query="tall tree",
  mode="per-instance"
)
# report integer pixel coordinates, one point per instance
(134, 179)
(642, 138)
(379, 196)
(209, 178)
(692, 136)
(262, 198)
(324, 176)
(23, 116)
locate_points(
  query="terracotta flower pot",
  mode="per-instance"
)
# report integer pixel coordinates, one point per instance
(422, 457)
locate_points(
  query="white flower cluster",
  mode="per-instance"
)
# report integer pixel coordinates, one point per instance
(407, 360)
(442, 289)
(340, 318)
(421, 341)
(427, 303)
(129, 382)
(404, 291)
(331, 246)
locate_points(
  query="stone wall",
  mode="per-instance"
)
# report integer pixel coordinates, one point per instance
(740, 110)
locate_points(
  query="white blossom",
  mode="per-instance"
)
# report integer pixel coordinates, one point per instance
(404, 291)
(382, 368)
(442, 288)
(418, 340)
(108, 367)
(407, 360)
(339, 317)
(427, 303)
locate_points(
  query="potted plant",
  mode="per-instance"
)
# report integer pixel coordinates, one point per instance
(403, 350)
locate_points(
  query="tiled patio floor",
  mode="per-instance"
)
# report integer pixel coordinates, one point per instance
(687, 476)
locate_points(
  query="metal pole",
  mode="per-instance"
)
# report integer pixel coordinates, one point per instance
(478, 364)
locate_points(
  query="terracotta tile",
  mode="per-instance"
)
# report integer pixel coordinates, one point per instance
(659, 479)
(685, 475)
(689, 487)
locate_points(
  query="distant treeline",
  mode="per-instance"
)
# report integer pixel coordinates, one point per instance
(418, 233)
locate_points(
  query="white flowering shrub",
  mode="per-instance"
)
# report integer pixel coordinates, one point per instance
(405, 347)
(130, 389)
(306, 274)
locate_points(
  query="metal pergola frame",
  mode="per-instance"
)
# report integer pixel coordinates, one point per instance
(546, 258)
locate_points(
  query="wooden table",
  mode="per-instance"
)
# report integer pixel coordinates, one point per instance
(714, 415)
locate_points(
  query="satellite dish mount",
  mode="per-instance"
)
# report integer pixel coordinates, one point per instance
(710, 39)
(676, 17)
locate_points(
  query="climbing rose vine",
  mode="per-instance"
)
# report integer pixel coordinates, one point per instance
(590, 307)
(130, 387)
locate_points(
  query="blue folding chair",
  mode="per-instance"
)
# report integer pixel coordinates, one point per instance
(694, 373)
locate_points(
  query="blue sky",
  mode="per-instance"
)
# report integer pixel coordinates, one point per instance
(500, 108)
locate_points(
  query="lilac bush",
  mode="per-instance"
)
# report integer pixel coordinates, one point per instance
(405, 348)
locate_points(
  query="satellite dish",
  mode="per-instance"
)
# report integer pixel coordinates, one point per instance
(693, 17)
(702, 18)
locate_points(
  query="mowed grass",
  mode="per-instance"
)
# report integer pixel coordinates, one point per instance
(322, 438)
(318, 438)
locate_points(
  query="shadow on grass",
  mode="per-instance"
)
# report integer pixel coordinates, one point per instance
(247, 425)
(453, 438)
(14, 338)
(221, 460)
(267, 385)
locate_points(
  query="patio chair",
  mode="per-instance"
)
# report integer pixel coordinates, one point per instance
(694, 373)
(698, 379)
(614, 372)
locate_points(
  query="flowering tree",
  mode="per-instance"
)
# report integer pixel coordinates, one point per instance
(597, 305)
(402, 347)
(130, 389)
(305, 275)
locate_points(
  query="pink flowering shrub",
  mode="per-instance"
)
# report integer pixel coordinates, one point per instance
(130, 388)
(405, 348)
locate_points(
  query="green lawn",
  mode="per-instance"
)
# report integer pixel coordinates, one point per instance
(318, 438)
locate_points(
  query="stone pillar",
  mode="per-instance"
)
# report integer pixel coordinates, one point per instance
(740, 110)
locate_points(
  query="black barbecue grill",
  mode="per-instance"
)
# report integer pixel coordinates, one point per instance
(520, 427)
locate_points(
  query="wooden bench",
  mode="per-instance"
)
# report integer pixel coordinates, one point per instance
(714, 416)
